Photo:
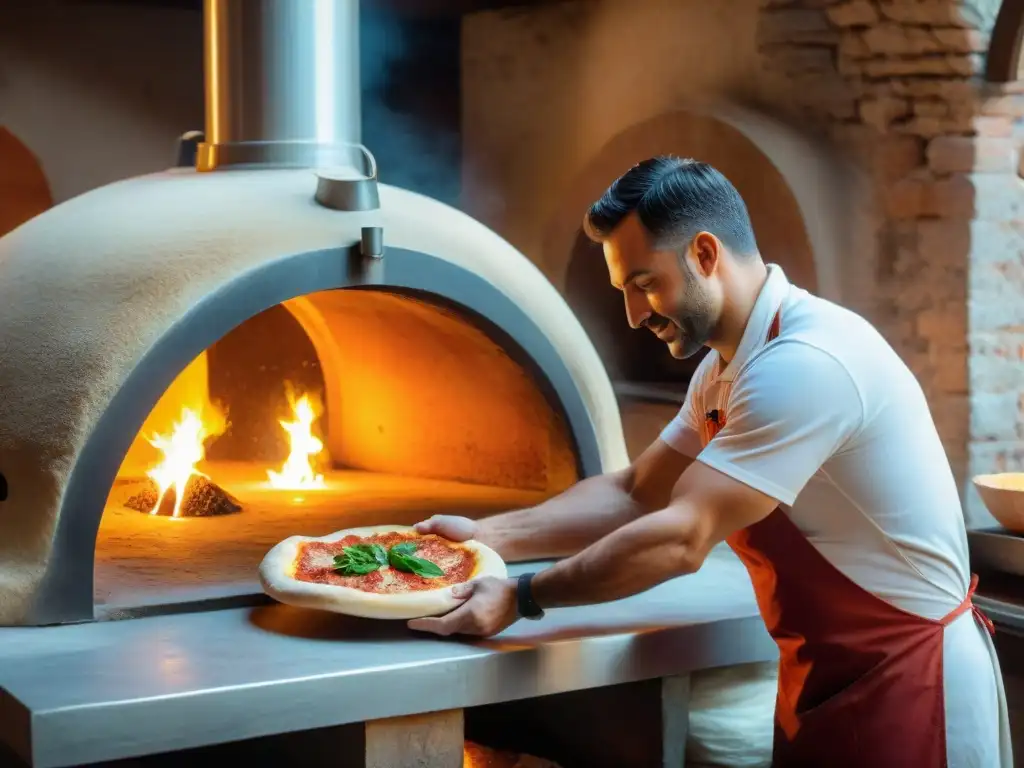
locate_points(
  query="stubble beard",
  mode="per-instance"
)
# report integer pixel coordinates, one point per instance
(694, 319)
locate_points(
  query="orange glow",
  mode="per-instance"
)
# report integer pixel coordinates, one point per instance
(478, 756)
(298, 472)
(182, 450)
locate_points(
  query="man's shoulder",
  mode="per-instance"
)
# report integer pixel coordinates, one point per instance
(806, 313)
(831, 329)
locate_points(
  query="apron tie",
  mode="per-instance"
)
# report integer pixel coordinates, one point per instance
(979, 615)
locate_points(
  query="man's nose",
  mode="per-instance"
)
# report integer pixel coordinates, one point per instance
(637, 309)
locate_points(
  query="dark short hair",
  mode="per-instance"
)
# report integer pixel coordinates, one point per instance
(675, 198)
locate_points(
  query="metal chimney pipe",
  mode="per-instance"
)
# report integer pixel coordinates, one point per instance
(282, 84)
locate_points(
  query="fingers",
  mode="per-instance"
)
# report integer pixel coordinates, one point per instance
(463, 590)
(426, 526)
(489, 610)
(439, 625)
(449, 526)
(455, 621)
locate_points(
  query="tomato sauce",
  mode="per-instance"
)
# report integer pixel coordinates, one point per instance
(316, 564)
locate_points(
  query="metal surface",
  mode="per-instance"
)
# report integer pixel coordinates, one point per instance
(997, 549)
(103, 691)
(66, 593)
(282, 82)
(1002, 612)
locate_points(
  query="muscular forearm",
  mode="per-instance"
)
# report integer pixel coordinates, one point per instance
(638, 556)
(565, 524)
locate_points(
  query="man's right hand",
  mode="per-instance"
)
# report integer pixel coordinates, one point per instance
(450, 527)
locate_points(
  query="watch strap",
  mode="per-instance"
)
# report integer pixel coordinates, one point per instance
(526, 606)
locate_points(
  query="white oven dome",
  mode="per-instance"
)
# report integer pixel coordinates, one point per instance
(106, 297)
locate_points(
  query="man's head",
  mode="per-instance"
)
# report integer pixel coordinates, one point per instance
(674, 231)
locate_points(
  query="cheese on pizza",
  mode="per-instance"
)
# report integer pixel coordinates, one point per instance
(386, 572)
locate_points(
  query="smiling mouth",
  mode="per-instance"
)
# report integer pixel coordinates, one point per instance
(666, 333)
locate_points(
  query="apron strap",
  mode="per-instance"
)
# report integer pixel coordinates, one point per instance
(714, 421)
(968, 603)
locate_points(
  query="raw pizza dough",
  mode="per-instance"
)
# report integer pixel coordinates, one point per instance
(278, 569)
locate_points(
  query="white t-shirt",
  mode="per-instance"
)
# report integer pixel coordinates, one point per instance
(830, 422)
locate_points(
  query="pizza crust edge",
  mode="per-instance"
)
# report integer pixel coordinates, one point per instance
(277, 578)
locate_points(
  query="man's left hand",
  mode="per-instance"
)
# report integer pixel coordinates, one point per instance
(489, 608)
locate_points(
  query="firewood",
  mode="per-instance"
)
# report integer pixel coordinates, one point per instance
(203, 498)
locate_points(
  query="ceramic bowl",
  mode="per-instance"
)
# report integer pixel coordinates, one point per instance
(1003, 495)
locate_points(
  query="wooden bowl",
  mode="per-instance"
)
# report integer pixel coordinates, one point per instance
(1003, 495)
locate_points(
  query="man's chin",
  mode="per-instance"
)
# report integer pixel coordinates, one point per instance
(681, 349)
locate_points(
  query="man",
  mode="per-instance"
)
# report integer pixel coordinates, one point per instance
(808, 446)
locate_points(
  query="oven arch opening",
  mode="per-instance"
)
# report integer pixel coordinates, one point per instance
(67, 590)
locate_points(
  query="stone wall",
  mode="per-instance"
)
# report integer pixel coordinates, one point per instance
(898, 83)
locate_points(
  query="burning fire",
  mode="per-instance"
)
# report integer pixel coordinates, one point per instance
(298, 472)
(182, 450)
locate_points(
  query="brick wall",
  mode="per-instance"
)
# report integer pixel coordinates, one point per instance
(898, 84)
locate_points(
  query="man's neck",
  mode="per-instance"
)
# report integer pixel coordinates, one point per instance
(743, 288)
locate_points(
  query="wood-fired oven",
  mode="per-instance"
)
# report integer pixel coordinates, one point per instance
(200, 362)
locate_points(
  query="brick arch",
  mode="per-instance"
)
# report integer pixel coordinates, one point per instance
(788, 180)
(24, 190)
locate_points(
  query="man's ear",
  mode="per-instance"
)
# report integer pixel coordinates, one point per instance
(706, 250)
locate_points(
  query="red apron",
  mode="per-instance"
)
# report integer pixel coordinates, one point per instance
(860, 680)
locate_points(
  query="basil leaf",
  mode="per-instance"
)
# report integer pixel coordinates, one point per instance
(360, 559)
(405, 548)
(349, 568)
(414, 565)
(360, 552)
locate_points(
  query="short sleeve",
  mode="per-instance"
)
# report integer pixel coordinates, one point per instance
(682, 434)
(789, 412)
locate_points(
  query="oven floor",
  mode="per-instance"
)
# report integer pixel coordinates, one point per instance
(146, 561)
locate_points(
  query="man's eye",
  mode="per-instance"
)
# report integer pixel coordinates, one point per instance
(645, 285)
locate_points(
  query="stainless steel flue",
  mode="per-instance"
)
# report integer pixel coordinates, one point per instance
(282, 84)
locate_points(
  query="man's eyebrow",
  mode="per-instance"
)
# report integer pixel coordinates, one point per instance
(635, 274)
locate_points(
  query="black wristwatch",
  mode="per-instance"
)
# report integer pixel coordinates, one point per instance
(526, 606)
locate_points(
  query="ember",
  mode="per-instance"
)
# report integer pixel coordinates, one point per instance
(477, 756)
(176, 475)
(201, 498)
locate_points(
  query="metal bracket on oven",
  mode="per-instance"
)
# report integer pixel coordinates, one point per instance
(372, 243)
(349, 188)
(366, 258)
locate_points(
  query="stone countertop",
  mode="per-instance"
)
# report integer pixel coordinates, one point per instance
(106, 690)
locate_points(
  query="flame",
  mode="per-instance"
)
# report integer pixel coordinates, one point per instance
(297, 472)
(182, 450)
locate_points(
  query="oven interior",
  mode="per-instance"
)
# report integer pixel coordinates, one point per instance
(336, 409)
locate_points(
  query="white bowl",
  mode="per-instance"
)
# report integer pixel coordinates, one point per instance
(1003, 494)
